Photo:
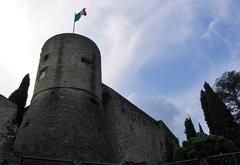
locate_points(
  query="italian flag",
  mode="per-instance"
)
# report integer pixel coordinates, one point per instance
(78, 15)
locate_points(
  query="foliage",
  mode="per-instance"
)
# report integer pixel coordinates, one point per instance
(219, 119)
(189, 128)
(213, 145)
(19, 97)
(227, 87)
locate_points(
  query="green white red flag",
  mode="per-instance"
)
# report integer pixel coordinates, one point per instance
(78, 15)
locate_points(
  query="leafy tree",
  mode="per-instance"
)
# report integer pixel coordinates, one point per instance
(227, 87)
(19, 97)
(219, 119)
(189, 128)
(213, 145)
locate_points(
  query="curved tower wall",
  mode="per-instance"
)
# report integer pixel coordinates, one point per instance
(72, 61)
(64, 119)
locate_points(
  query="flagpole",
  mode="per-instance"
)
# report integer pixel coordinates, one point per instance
(74, 22)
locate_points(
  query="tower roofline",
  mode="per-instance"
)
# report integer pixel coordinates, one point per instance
(71, 35)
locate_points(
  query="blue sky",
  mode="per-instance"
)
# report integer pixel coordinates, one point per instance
(156, 53)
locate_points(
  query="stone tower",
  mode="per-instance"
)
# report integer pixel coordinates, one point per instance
(64, 119)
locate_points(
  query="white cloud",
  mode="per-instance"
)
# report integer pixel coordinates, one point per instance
(133, 42)
(210, 29)
(17, 36)
(233, 63)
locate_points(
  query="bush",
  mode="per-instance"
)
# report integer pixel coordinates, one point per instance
(213, 145)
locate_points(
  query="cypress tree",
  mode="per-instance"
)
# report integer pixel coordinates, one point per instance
(189, 128)
(19, 97)
(200, 128)
(219, 119)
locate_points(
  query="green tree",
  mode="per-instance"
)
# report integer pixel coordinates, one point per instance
(212, 145)
(19, 97)
(227, 87)
(219, 119)
(189, 128)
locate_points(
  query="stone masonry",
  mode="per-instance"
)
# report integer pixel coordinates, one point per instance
(8, 127)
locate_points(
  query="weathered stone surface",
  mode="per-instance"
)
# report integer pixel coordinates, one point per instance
(62, 123)
(7, 127)
(134, 135)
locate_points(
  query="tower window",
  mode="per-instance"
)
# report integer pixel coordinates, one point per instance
(45, 58)
(42, 73)
(86, 61)
(94, 101)
(25, 124)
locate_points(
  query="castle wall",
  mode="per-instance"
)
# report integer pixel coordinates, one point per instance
(8, 112)
(136, 136)
(169, 142)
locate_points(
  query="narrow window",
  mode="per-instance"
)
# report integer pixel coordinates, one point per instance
(94, 101)
(42, 73)
(86, 61)
(25, 124)
(45, 58)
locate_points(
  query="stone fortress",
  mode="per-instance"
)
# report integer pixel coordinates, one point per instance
(74, 116)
